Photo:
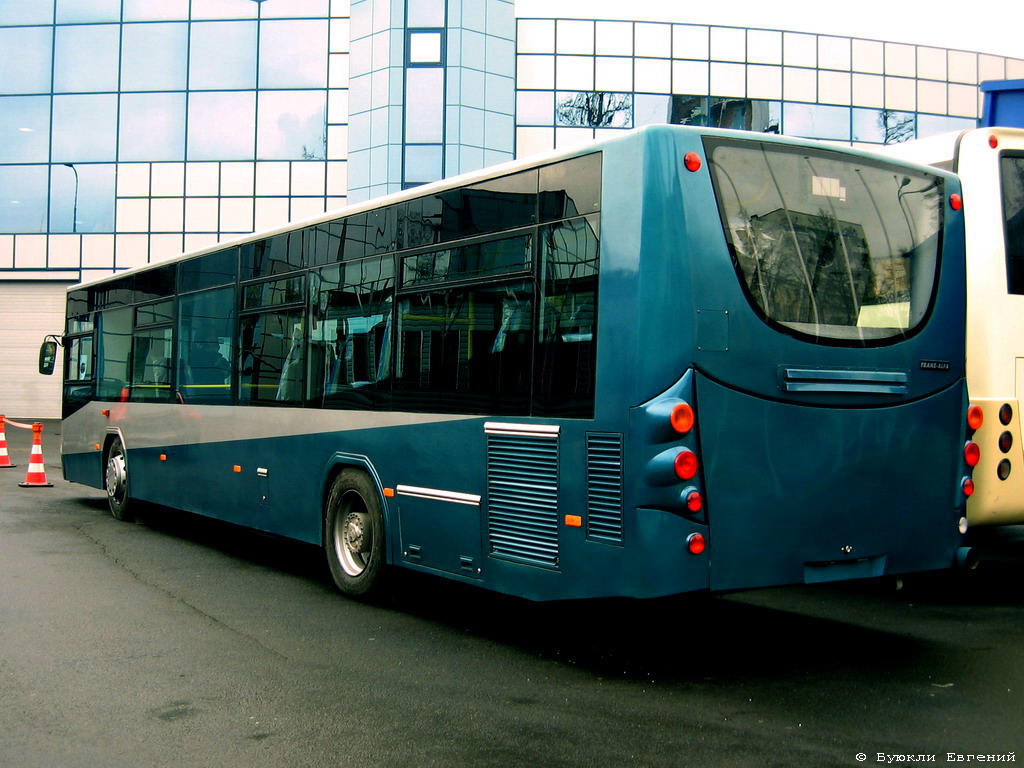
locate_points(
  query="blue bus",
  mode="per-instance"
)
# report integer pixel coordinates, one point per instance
(682, 359)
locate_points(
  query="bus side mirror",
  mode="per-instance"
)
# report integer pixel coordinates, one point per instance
(47, 357)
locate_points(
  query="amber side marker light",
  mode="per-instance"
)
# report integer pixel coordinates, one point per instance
(975, 417)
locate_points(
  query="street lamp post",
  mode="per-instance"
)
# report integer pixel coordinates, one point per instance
(74, 215)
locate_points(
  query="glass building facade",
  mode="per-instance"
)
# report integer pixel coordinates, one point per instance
(134, 130)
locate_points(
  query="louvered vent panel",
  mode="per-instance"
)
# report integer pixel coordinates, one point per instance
(522, 498)
(604, 487)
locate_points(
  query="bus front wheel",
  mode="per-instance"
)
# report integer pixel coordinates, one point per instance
(354, 534)
(116, 482)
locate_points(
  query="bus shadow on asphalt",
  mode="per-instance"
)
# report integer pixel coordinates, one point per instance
(765, 634)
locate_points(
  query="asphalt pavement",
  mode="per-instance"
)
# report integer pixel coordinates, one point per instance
(179, 641)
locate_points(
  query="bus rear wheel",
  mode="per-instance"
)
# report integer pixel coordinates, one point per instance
(354, 534)
(116, 482)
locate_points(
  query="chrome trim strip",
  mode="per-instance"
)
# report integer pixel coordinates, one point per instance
(521, 430)
(470, 499)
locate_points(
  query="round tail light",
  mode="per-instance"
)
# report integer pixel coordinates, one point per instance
(686, 465)
(694, 500)
(975, 417)
(682, 418)
(972, 454)
(696, 543)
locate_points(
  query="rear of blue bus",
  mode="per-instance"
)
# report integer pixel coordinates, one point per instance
(800, 359)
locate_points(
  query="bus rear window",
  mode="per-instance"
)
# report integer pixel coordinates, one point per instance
(836, 248)
(1011, 170)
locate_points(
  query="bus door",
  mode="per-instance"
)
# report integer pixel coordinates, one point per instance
(832, 419)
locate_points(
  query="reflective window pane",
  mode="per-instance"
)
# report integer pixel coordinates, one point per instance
(24, 129)
(151, 366)
(25, 60)
(535, 108)
(153, 57)
(22, 198)
(816, 122)
(82, 198)
(424, 47)
(292, 125)
(424, 105)
(36, 12)
(84, 128)
(1011, 171)
(595, 109)
(425, 13)
(113, 352)
(422, 163)
(571, 187)
(465, 350)
(147, 10)
(223, 55)
(224, 9)
(207, 271)
(221, 126)
(929, 125)
(350, 345)
(293, 54)
(72, 11)
(86, 58)
(152, 126)
(296, 9)
(206, 345)
(271, 358)
(566, 346)
(881, 126)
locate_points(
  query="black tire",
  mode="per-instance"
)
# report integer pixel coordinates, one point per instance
(354, 537)
(115, 482)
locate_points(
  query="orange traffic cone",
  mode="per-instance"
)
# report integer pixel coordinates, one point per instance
(36, 475)
(5, 459)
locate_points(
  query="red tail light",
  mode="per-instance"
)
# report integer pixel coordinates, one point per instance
(686, 465)
(694, 501)
(975, 417)
(956, 202)
(696, 543)
(968, 486)
(692, 161)
(993, 141)
(972, 454)
(682, 418)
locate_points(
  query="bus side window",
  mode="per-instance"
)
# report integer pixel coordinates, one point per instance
(565, 367)
(350, 341)
(206, 328)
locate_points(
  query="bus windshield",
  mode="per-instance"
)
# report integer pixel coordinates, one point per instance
(836, 248)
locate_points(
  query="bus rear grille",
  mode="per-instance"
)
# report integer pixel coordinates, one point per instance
(604, 487)
(522, 498)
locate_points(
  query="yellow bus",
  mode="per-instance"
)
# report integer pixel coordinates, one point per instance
(990, 163)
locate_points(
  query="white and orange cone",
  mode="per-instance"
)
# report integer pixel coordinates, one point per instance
(36, 475)
(5, 459)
